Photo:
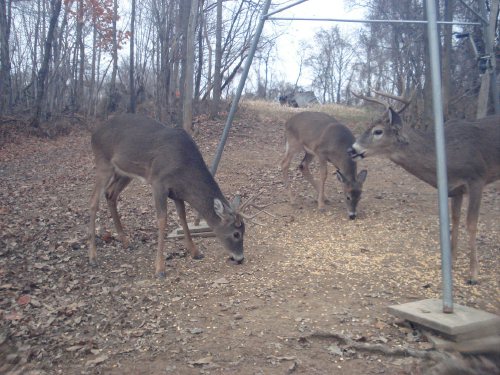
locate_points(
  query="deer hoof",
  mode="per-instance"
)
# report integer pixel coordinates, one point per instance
(471, 282)
(233, 260)
(198, 256)
(93, 262)
(161, 275)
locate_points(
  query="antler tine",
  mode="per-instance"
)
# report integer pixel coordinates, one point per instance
(401, 98)
(250, 217)
(248, 201)
(370, 99)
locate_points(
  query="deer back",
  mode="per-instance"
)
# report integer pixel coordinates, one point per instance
(138, 146)
(324, 136)
(472, 148)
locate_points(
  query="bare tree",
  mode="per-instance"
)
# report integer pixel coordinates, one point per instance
(187, 111)
(5, 65)
(218, 61)
(132, 103)
(44, 70)
(113, 91)
(331, 61)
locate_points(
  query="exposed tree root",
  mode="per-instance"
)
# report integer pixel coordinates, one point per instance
(380, 348)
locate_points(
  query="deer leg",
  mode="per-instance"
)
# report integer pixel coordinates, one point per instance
(102, 176)
(475, 193)
(322, 179)
(161, 212)
(456, 206)
(113, 190)
(285, 165)
(306, 172)
(188, 241)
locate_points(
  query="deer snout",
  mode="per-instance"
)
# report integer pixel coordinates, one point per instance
(355, 154)
(352, 215)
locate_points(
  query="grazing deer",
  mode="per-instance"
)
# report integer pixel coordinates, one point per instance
(131, 145)
(322, 136)
(473, 161)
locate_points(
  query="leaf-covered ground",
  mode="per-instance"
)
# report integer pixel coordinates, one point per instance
(306, 273)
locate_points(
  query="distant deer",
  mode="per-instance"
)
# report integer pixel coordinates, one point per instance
(322, 136)
(473, 161)
(131, 145)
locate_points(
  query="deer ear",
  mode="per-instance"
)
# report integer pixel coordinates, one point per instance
(397, 123)
(340, 176)
(362, 176)
(394, 118)
(219, 208)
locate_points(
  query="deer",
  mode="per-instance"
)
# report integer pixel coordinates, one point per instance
(321, 135)
(135, 146)
(473, 161)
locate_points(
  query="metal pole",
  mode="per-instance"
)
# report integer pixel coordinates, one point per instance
(416, 22)
(437, 101)
(285, 8)
(239, 90)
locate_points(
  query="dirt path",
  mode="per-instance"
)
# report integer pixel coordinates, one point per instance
(305, 271)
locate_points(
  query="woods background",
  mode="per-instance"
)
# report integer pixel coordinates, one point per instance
(78, 59)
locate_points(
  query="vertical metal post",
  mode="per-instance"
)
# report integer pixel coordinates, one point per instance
(437, 101)
(239, 90)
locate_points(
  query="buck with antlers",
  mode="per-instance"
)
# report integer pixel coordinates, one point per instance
(131, 145)
(473, 161)
(321, 135)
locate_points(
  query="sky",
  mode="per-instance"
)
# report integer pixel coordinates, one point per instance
(288, 44)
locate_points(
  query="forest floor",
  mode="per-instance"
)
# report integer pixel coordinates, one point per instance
(310, 280)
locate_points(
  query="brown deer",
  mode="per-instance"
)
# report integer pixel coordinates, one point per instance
(131, 145)
(322, 136)
(473, 161)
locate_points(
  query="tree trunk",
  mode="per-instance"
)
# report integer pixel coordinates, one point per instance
(449, 6)
(113, 92)
(5, 79)
(217, 91)
(200, 55)
(427, 89)
(132, 103)
(187, 105)
(486, 78)
(44, 69)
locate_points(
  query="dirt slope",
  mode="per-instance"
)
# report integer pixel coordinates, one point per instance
(307, 274)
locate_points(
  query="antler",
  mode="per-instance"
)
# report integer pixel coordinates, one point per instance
(370, 99)
(406, 101)
(250, 203)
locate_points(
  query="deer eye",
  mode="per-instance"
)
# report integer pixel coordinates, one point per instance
(236, 235)
(348, 197)
(378, 132)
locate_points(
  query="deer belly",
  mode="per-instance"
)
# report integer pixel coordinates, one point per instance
(309, 150)
(131, 174)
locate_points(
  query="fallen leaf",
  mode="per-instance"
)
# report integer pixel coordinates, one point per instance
(14, 315)
(201, 361)
(97, 360)
(24, 300)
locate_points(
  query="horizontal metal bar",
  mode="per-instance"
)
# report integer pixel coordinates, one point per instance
(370, 21)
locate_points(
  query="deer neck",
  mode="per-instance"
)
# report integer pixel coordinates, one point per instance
(201, 197)
(417, 155)
(348, 168)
